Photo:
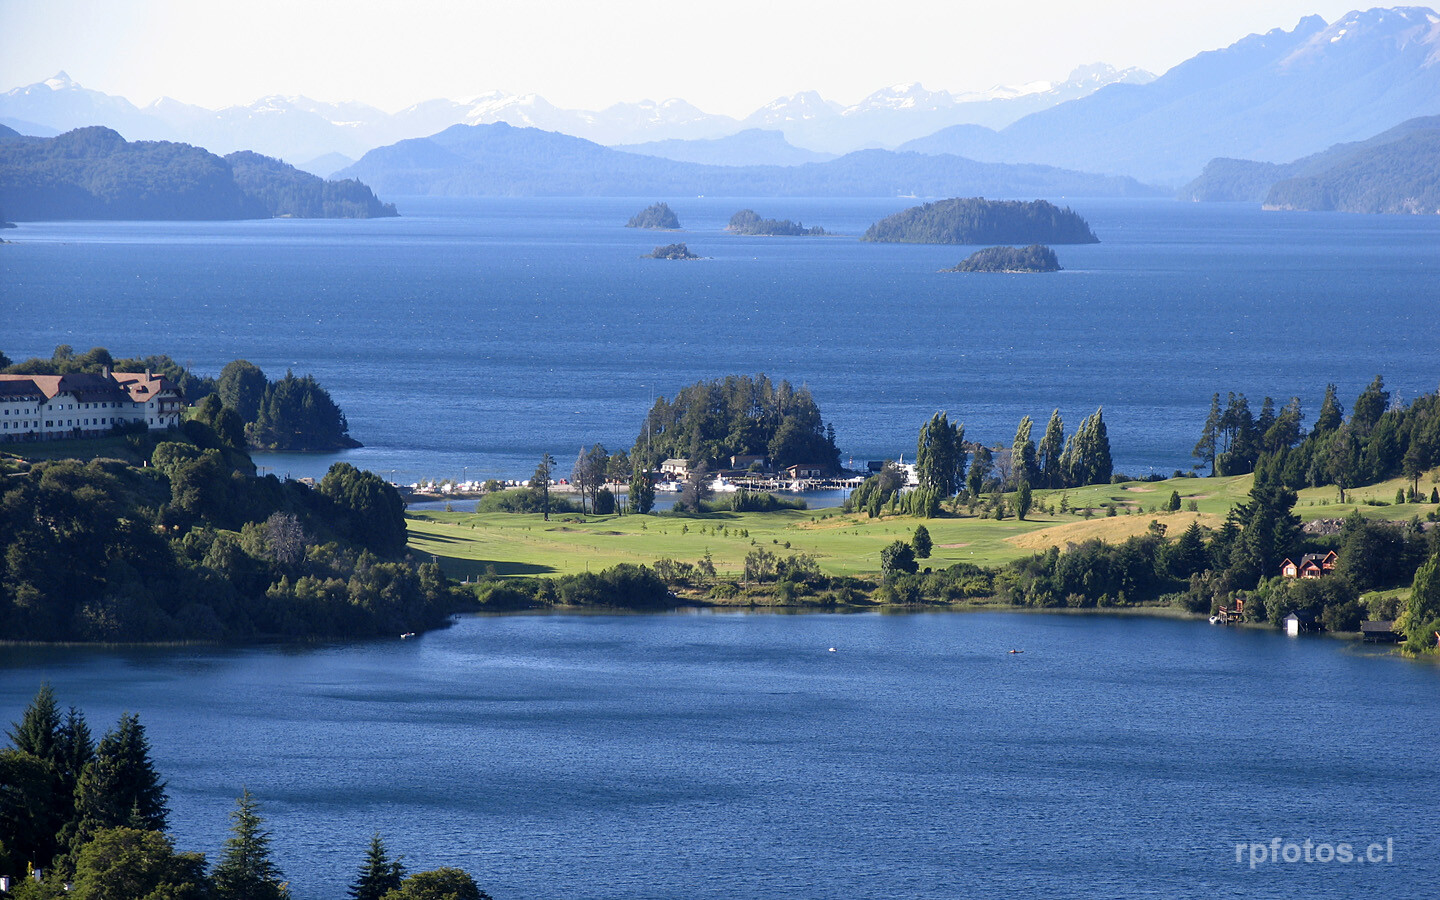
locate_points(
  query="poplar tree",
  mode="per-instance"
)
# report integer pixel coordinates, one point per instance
(1022, 454)
(940, 455)
(979, 471)
(642, 493)
(1051, 446)
(540, 482)
(245, 870)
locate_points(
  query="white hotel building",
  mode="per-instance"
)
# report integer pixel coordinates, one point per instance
(48, 407)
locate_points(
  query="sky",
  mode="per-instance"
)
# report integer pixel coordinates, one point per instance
(724, 56)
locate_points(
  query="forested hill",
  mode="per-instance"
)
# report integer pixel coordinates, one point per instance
(503, 161)
(1399, 177)
(975, 220)
(94, 173)
(1248, 180)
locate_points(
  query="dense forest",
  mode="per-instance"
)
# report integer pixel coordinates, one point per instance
(1399, 177)
(90, 820)
(284, 190)
(747, 221)
(742, 415)
(1380, 440)
(293, 413)
(656, 215)
(1034, 258)
(191, 545)
(975, 220)
(94, 173)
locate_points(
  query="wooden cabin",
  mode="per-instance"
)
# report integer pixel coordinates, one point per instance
(1311, 565)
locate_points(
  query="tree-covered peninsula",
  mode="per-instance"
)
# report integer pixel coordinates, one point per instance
(975, 220)
(190, 544)
(747, 221)
(94, 173)
(740, 415)
(656, 215)
(1034, 258)
(291, 413)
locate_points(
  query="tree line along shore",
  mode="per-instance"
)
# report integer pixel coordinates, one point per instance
(210, 551)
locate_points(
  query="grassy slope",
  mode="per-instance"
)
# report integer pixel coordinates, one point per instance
(466, 543)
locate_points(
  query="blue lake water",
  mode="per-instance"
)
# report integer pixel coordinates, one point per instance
(468, 337)
(732, 755)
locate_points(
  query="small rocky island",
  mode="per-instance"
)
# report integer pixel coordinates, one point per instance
(657, 215)
(747, 221)
(1034, 258)
(671, 251)
(975, 220)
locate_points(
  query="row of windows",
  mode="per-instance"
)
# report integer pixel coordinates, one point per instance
(28, 410)
(71, 423)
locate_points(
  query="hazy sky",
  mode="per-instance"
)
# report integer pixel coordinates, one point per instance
(725, 56)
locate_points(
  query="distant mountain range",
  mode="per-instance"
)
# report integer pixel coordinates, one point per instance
(301, 129)
(503, 161)
(94, 173)
(1387, 157)
(1271, 97)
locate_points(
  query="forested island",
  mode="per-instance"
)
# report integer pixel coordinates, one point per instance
(671, 251)
(656, 215)
(975, 220)
(747, 221)
(292, 413)
(1034, 258)
(94, 173)
(89, 819)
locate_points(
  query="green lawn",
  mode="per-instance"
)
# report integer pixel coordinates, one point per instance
(469, 544)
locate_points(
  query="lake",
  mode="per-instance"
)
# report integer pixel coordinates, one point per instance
(467, 337)
(727, 755)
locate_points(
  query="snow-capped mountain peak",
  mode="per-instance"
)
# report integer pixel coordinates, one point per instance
(59, 82)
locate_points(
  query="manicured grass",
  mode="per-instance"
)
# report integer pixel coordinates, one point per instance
(114, 447)
(470, 544)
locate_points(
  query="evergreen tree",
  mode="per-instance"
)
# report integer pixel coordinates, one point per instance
(1207, 447)
(1187, 556)
(1173, 504)
(1369, 407)
(120, 787)
(245, 870)
(1331, 413)
(921, 542)
(38, 731)
(1285, 431)
(379, 873)
(642, 492)
(1023, 454)
(241, 387)
(1051, 446)
(1269, 530)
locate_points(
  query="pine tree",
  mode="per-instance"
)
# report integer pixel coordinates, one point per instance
(120, 787)
(1331, 413)
(38, 731)
(245, 870)
(378, 874)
